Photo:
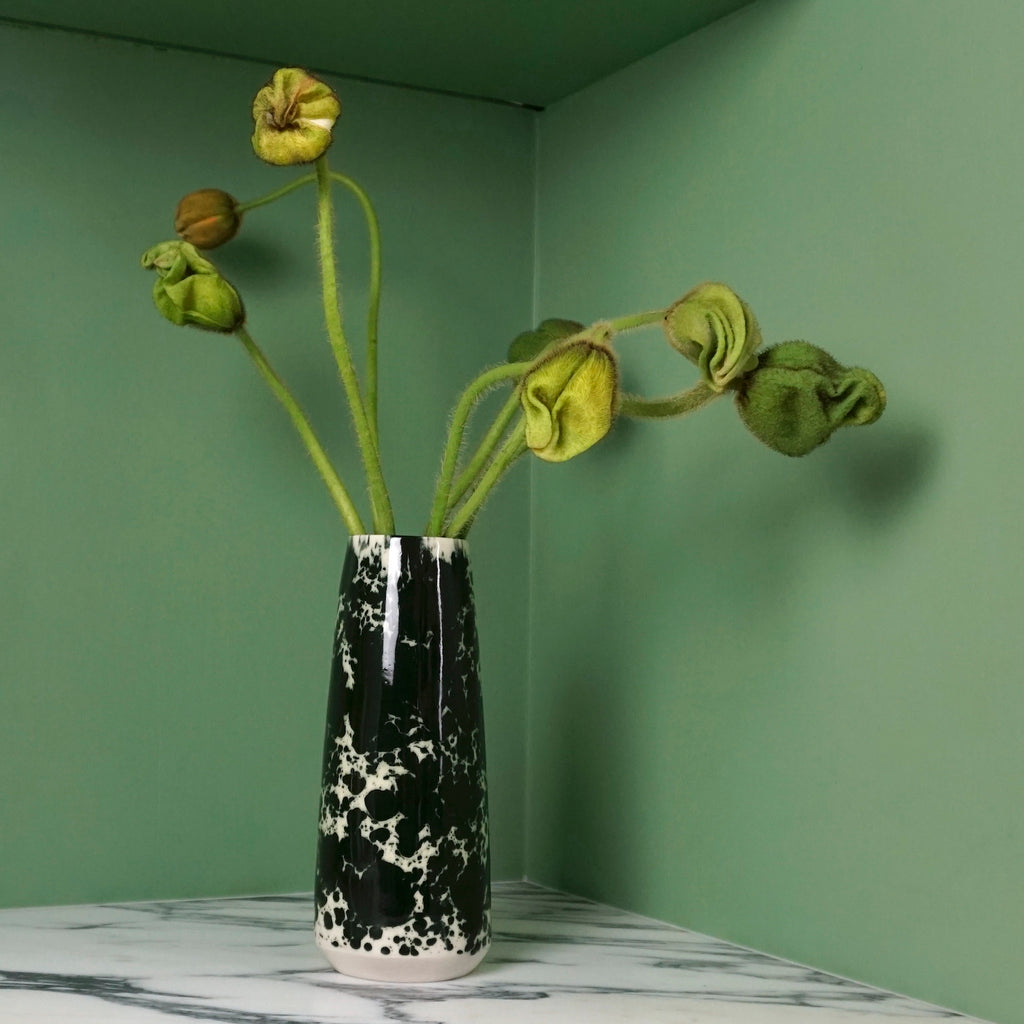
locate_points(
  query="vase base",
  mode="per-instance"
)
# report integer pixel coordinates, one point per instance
(443, 966)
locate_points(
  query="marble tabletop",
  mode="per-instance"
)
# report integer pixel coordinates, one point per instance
(555, 958)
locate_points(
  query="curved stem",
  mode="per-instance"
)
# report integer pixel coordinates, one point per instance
(513, 447)
(316, 452)
(629, 323)
(373, 314)
(675, 405)
(458, 426)
(276, 194)
(383, 517)
(468, 476)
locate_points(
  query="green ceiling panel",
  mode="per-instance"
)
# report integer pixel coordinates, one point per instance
(521, 52)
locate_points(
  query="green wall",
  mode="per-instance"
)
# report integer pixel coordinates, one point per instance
(169, 557)
(774, 700)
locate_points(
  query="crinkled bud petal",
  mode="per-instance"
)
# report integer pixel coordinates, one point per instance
(527, 346)
(714, 328)
(207, 218)
(294, 115)
(189, 290)
(569, 400)
(799, 395)
(171, 259)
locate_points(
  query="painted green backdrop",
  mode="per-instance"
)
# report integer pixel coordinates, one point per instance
(781, 700)
(775, 700)
(169, 557)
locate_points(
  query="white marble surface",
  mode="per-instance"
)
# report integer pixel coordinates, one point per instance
(555, 958)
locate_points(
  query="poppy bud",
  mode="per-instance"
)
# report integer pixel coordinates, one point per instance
(207, 218)
(569, 400)
(190, 291)
(293, 115)
(527, 346)
(714, 328)
(798, 395)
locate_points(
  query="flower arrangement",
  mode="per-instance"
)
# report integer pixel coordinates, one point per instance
(564, 379)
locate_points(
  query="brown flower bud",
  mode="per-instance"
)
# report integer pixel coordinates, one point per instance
(207, 218)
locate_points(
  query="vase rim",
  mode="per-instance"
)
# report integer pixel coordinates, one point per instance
(408, 536)
(439, 545)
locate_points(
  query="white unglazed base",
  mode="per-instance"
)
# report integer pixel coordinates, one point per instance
(442, 966)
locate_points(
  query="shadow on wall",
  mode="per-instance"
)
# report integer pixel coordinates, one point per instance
(704, 598)
(881, 476)
(256, 264)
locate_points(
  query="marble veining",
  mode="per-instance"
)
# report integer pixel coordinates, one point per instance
(554, 958)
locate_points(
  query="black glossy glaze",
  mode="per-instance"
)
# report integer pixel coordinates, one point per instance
(402, 860)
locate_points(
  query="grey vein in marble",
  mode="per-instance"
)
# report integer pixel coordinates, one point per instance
(554, 958)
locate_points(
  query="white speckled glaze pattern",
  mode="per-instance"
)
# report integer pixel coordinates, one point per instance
(402, 886)
(555, 959)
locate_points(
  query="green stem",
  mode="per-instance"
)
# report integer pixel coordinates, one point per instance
(373, 315)
(676, 405)
(629, 323)
(309, 439)
(513, 447)
(276, 194)
(458, 426)
(468, 476)
(383, 517)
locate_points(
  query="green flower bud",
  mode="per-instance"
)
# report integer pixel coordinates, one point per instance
(190, 291)
(798, 395)
(714, 328)
(294, 115)
(569, 399)
(207, 218)
(527, 346)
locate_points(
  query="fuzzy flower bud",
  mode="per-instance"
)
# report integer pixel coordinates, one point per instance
(527, 346)
(294, 115)
(714, 328)
(190, 291)
(207, 218)
(569, 399)
(798, 395)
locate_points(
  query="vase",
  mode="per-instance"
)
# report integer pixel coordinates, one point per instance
(403, 868)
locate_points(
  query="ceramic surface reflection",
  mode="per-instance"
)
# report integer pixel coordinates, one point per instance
(403, 883)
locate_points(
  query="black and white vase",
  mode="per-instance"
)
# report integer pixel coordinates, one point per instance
(403, 872)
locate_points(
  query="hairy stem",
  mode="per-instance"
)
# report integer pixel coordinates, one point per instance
(629, 323)
(514, 446)
(270, 197)
(327, 472)
(383, 517)
(469, 398)
(468, 476)
(675, 405)
(373, 313)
